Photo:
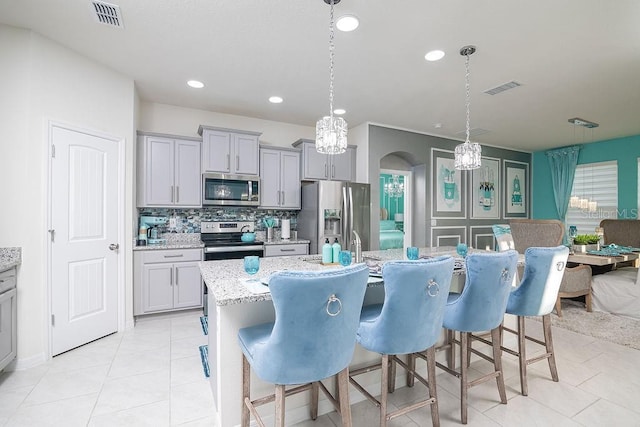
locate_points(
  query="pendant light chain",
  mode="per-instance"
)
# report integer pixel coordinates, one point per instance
(331, 54)
(468, 93)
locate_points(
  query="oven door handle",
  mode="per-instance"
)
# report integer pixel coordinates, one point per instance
(219, 249)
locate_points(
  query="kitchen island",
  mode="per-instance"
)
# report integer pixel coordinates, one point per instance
(235, 304)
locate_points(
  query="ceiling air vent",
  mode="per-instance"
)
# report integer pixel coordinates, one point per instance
(473, 132)
(496, 90)
(108, 14)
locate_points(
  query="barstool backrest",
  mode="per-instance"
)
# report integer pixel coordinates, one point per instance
(538, 291)
(411, 317)
(317, 315)
(483, 301)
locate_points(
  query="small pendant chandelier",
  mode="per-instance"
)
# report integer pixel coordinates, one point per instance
(394, 188)
(468, 154)
(331, 132)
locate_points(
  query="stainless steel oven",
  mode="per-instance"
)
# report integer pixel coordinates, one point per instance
(222, 241)
(230, 190)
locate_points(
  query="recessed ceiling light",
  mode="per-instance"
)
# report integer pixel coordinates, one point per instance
(347, 23)
(195, 84)
(275, 99)
(434, 55)
(339, 111)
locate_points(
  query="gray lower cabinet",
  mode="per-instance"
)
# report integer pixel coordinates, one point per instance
(8, 317)
(166, 280)
(288, 249)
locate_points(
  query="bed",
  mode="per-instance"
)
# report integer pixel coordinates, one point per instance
(390, 237)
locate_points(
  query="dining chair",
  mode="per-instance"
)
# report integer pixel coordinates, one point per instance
(479, 307)
(535, 296)
(313, 338)
(408, 321)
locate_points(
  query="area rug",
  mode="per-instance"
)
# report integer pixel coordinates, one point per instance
(204, 353)
(204, 322)
(608, 327)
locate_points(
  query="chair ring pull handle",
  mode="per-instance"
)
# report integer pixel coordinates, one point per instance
(433, 288)
(560, 265)
(333, 298)
(505, 275)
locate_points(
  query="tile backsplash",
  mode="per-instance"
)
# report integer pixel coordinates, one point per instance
(188, 220)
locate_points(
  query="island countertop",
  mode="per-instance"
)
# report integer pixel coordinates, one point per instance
(224, 279)
(10, 257)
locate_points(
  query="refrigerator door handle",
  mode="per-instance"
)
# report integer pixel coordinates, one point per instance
(350, 230)
(345, 226)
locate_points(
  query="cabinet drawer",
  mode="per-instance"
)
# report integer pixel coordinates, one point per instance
(172, 255)
(7, 280)
(286, 250)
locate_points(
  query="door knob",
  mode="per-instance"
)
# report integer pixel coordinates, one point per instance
(114, 246)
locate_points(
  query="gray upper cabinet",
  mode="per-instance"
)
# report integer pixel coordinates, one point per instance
(280, 178)
(168, 172)
(229, 151)
(317, 166)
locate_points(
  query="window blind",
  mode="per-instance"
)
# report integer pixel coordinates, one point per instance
(598, 182)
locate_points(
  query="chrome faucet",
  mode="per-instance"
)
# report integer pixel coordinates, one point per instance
(357, 247)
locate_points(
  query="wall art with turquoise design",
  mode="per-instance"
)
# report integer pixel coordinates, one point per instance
(448, 187)
(485, 189)
(516, 197)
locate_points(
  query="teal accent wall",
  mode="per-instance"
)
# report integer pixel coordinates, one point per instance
(623, 150)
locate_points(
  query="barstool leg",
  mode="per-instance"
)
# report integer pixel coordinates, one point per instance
(497, 363)
(279, 420)
(315, 389)
(246, 387)
(464, 338)
(522, 357)
(548, 340)
(392, 375)
(411, 363)
(431, 376)
(343, 387)
(384, 389)
(452, 349)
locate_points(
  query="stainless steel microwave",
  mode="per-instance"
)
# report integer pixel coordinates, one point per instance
(230, 190)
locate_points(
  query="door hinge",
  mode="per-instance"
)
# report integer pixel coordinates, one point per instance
(53, 151)
(53, 320)
(52, 233)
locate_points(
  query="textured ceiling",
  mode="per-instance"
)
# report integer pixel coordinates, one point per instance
(574, 58)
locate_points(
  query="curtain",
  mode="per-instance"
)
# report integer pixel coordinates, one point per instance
(562, 162)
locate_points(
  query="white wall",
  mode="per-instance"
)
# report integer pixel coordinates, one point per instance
(182, 121)
(41, 81)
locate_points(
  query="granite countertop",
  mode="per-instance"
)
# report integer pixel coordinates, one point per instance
(10, 257)
(175, 241)
(286, 242)
(224, 279)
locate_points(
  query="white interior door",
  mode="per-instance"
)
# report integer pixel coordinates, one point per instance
(84, 241)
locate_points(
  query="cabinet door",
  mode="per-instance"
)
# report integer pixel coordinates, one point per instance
(342, 166)
(187, 289)
(314, 164)
(245, 158)
(270, 178)
(8, 318)
(157, 287)
(159, 161)
(187, 174)
(290, 179)
(216, 151)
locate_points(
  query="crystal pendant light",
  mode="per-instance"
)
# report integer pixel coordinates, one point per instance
(467, 155)
(394, 188)
(331, 132)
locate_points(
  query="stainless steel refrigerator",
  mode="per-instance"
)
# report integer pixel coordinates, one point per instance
(333, 209)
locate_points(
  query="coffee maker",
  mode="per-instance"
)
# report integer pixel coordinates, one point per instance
(149, 230)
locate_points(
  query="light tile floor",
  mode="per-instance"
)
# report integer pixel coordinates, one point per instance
(152, 376)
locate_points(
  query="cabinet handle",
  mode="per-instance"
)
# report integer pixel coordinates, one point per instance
(282, 198)
(333, 171)
(172, 194)
(228, 162)
(174, 256)
(287, 250)
(177, 194)
(237, 162)
(177, 271)
(326, 171)
(171, 280)
(279, 198)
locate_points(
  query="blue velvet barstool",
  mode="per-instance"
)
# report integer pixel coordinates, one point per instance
(536, 296)
(312, 338)
(408, 321)
(480, 307)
